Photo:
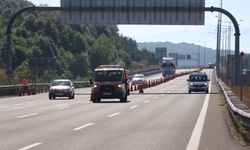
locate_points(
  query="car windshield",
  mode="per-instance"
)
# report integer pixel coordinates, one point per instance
(57, 83)
(198, 78)
(109, 75)
(139, 76)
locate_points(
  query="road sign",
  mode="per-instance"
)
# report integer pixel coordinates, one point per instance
(156, 12)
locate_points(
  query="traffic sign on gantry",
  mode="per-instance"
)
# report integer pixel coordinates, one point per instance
(155, 12)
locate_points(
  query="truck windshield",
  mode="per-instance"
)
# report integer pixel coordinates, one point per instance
(109, 75)
(170, 65)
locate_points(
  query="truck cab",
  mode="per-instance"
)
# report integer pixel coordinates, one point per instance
(110, 81)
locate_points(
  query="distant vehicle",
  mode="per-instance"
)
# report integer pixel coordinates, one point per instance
(198, 81)
(211, 65)
(168, 66)
(138, 79)
(110, 81)
(62, 88)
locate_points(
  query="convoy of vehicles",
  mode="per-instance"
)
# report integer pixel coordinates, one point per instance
(110, 81)
(62, 88)
(198, 81)
(138, 79)
(168, 66)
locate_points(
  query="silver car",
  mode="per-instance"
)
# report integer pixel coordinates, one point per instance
(138, 79)
(62, 88)
(198, 81)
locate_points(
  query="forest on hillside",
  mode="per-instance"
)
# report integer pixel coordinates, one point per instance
(44, 49)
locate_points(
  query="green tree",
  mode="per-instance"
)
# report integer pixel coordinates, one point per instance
(102, 52)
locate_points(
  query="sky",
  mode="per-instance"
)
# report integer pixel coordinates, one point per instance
(204, 35)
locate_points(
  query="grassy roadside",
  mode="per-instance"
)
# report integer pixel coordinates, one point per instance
(237, 130)
(246, 94)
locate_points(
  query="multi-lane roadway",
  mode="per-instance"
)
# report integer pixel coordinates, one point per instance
(165, 117)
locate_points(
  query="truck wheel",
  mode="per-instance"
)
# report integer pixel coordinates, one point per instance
(189, 91)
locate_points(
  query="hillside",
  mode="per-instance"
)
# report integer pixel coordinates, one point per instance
(182, 48)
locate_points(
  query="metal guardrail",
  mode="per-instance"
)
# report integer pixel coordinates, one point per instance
(13, 90)
(238, 109)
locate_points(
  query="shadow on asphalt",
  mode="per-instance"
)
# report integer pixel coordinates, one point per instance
(109, 101)
(172, 93)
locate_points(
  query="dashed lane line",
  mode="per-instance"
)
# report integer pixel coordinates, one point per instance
(28, 115)
(133, 107)
(30, 146)
(4, 106)
(63, 107)
(115, 114)
(147, 101)
(83, 126)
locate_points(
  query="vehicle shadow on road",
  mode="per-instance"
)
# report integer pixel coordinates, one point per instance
(109, 101)
(173, 93)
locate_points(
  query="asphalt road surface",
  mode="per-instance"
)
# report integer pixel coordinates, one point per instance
(165, 117)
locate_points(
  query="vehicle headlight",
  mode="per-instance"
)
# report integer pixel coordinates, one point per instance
(119, 85)
(205, 83)
(191, 83)
(95, 86)
(66, 90)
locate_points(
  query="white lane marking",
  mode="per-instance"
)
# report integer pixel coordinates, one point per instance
(30, 102)
(162, 94)
(63, 107)
(30, 105)
(156, 97)
(4, 106)
(194, 141)
(133, 107)
(29, 115)
(115, 114)
(18, 104)
(84, 126)
(30, 146)
(146, 101)
(20, 107)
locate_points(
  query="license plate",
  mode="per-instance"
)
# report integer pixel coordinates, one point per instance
(106, 94)
(59, 94)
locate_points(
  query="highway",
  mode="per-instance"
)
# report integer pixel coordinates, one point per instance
(165, 117)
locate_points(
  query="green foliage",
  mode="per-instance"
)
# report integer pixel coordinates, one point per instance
(77, 49)
(102, 52)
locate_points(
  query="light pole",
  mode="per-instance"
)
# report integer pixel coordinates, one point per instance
(241, 75)
(204, 52)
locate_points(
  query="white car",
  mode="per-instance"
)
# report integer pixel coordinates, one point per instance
(138, 79)
(61, 88)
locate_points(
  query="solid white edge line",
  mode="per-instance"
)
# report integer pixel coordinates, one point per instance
(29, 115)
(194, 141)
(115, 114)
(30, 146)
(133, 107)
(83, 126)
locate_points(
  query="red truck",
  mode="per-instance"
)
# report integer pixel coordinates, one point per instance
(110, 81)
